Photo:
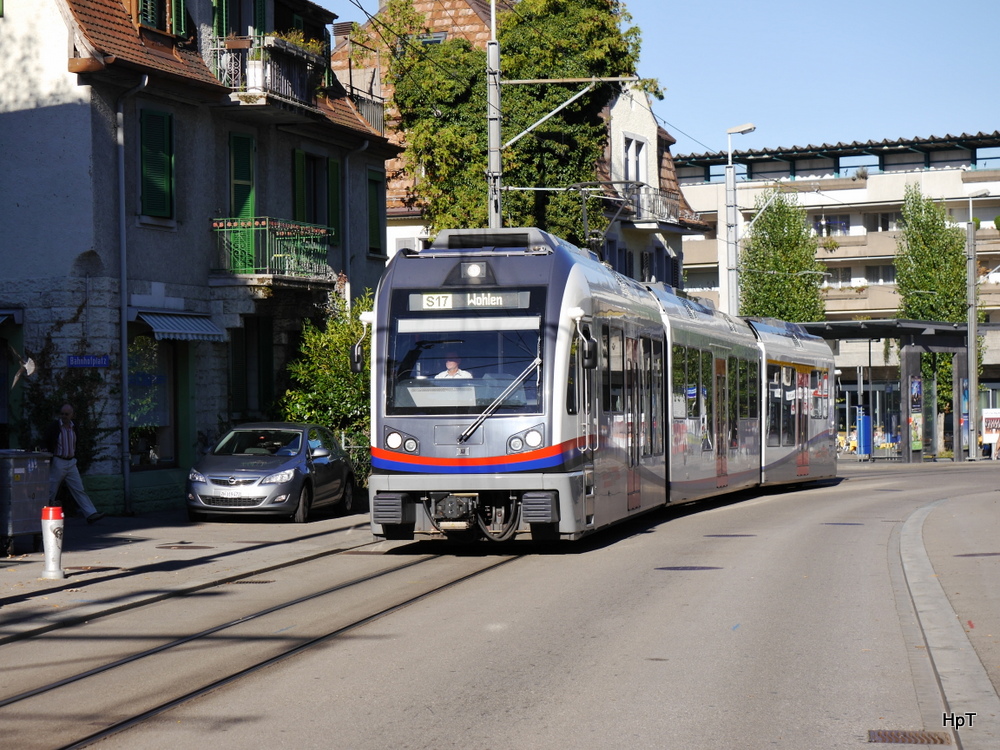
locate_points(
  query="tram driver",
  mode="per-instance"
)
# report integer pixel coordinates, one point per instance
(452, 363)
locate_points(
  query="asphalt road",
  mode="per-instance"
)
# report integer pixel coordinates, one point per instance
(784, 620)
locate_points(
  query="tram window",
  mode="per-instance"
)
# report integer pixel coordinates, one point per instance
(753, 393)
(743, 368)
(614, 369)
(694, 384)
(657, 392)
(605, 368)
(819, 394)
(572, 379)
(788, 404)
(646, 390)
(773, 406)
(708, 393)
(678, 381)
(733, 401)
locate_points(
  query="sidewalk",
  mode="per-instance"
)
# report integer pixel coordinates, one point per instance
(119, 562)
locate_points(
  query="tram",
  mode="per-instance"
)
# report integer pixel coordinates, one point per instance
(521, 386)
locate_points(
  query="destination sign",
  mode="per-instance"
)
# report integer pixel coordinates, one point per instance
(478, 300)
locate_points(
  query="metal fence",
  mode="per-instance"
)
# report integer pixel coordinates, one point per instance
(278, 247)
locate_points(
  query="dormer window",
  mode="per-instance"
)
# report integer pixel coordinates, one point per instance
(164, 15)
(634, 161)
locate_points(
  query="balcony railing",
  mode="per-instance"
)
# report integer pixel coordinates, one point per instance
(277, 247)
(654, 204)
(372, 108)
(268, 66)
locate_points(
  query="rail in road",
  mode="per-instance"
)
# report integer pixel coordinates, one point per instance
(78, 684)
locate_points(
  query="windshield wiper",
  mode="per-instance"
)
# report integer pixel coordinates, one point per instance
(491, 409)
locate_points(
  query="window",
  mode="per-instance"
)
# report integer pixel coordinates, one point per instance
(164, 15)
(883, 274)
(241, 175)
(156, 163)
(251, 362)
(376, 213)
(838, 225)
(151, 403)
(634, 162)
(840, 276)
(883, 222)
(316, 181)
(613, 369)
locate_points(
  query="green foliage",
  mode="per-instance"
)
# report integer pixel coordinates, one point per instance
(440, 95)
(53, 385)
(326, 392)
(779, 274)
(931, 278)
(996, 222)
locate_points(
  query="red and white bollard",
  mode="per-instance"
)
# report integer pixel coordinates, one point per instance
(52, 536)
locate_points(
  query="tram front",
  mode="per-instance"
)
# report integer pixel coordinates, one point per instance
(461, 364)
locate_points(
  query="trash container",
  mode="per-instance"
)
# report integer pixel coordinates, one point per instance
(24, 491)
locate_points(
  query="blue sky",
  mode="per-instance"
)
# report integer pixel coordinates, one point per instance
(811, 73)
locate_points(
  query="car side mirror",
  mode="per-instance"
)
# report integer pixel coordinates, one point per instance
(320, 453)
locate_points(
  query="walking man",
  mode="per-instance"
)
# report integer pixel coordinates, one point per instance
(60, 441)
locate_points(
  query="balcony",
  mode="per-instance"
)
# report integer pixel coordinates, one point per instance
(268, 69)
(274, 247)
(370, 107)
(651, 204)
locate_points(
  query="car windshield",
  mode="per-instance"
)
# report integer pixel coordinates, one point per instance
(273, 442)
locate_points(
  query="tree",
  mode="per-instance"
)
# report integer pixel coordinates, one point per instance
(440, 100)
(326, 391)
(931, 278)
(779, 274)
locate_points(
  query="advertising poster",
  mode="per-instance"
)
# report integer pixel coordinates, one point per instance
(991, 430)
(916, 414)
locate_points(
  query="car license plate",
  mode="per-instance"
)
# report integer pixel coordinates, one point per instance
(229, 493)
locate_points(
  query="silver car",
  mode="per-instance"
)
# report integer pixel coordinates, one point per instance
(275, 468)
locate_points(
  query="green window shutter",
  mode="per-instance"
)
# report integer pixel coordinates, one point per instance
(299, 185)
(333, 194)
(156, 163)
(221, 18)
(178, 17)
(376, 212)
(241, 160)
(259, 16)
(148, 12)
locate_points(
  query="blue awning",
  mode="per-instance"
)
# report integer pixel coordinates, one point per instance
(182, 326)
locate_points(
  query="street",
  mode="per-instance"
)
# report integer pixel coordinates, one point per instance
(788, 619)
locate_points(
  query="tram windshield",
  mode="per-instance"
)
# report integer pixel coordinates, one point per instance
(453, 364)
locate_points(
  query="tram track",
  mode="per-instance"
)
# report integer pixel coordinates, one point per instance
(76, 701)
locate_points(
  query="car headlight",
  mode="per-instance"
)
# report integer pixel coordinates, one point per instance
(197, 476)
(280, 478)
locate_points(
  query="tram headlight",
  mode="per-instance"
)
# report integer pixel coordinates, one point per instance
(533, 438)
(472, 270)
(515, 444)
(410, 445)
(393, 440)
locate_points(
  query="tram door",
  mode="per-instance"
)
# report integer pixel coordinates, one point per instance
(719, 425)
(633, 421)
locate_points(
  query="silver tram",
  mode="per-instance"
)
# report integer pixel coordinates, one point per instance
(519, 385)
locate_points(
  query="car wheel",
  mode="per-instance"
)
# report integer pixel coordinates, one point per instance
(302, 509)
(347, 502)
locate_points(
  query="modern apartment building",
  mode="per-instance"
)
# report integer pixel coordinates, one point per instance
(853, 194)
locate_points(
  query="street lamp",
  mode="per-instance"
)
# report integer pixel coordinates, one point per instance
(732, 277)
(972, 334)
